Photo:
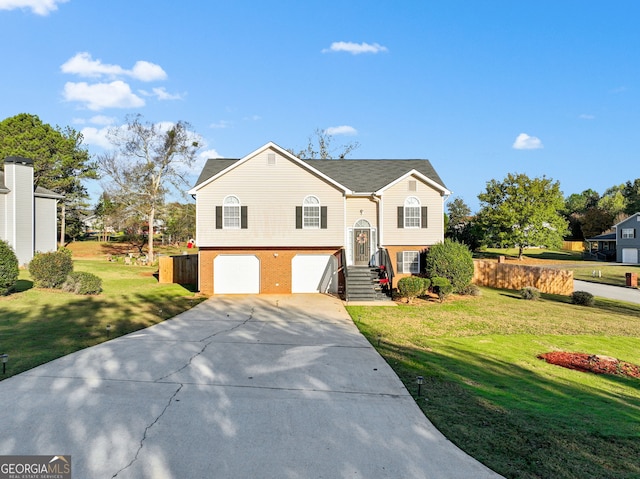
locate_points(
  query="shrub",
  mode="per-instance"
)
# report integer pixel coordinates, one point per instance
(582, 298)
(412, 286)
(50, 270)
(441, 286)
(82, 283)
(8, 268)
(451, 260)
(529, 292)
(471, 290)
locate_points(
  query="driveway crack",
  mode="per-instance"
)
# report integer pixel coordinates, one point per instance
(146, 430)
(207, 341)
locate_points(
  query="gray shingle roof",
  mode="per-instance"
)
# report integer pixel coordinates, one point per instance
(360, 176)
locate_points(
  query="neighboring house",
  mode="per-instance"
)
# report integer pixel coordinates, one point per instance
(273, 223)
(28, 215)
(602, 247)
(628, 239)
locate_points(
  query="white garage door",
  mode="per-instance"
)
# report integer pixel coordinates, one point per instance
(630, 255)
(236, 274)
(313, 273)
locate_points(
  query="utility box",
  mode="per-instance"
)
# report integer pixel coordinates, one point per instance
(632, 279)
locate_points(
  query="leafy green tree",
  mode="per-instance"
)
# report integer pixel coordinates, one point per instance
(180, 221)
(459, 215)
(60, 162)
(321, 146)
(581, 202)
(521, 212)
(146, 159)
(631, 194)
(613, 201)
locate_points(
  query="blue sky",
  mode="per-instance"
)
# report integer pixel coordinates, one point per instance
(481, 88)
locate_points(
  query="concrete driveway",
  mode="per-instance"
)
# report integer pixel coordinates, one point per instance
(238, 387)
(619, 293)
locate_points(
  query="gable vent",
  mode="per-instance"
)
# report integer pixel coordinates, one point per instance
(271, 158)
(413, 185)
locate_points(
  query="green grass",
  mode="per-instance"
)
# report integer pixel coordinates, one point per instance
(39, 325)
(538, 253)
(486, 390)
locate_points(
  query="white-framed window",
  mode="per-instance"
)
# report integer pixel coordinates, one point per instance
(311, 212)
(628, 233)
(412, 212)
(410, 262)
(231, 213)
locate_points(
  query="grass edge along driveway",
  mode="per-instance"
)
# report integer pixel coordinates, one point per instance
(40, 325)
(488, 393)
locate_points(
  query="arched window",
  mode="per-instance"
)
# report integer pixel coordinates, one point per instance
(412, 212)
(231, 213)
(311, 212)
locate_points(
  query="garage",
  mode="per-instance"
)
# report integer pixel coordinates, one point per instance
(314, 273)
(630, 255)
(236, 274)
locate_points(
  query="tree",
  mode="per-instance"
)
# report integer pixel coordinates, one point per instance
(520, 212)
(451, 260)
(60, 161)
(459, 216)
(180, 221)
(631, 193)
(595, 221)
(320, 147)
(146, 159)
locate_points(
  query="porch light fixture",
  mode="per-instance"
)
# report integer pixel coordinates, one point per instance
(361, 212)
(275, 255)
(5, 358)
(420, 381)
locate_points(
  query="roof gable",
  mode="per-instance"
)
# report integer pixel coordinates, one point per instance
(627, 219)
(350, 175)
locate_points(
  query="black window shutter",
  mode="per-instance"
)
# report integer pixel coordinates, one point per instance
(634, 232)
(323, 217)
(218, 217)
(400, 217)
(298, 217)
(423, 222)
(243, 217)
(399, 265)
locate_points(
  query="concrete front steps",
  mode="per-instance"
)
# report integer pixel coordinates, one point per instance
(362, 284)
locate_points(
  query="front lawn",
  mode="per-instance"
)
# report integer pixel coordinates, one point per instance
(39, 325)
(486, 390)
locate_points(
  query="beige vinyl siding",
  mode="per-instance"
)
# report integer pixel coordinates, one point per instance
(271, 192)
(429, 197)
(369, 211)
(19, 179)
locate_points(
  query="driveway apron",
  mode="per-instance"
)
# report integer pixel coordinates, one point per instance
(237, 387)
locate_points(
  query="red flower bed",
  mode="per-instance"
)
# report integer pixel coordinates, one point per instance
(592, 363)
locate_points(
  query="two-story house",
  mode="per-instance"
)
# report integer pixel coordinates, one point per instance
(28, 214)
(628, 239)
(272, 223)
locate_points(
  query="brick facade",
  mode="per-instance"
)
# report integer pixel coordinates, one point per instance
(275, 266)
(393, 251)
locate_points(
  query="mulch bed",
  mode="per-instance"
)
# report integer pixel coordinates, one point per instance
(592, 363)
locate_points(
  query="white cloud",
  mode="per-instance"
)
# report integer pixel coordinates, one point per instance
(355, 48)
(98, 96)
(84, 65)
(96, 137)
(341, 130)
(526, 142)
(586, 116)
(39, 7)
(205, 155)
